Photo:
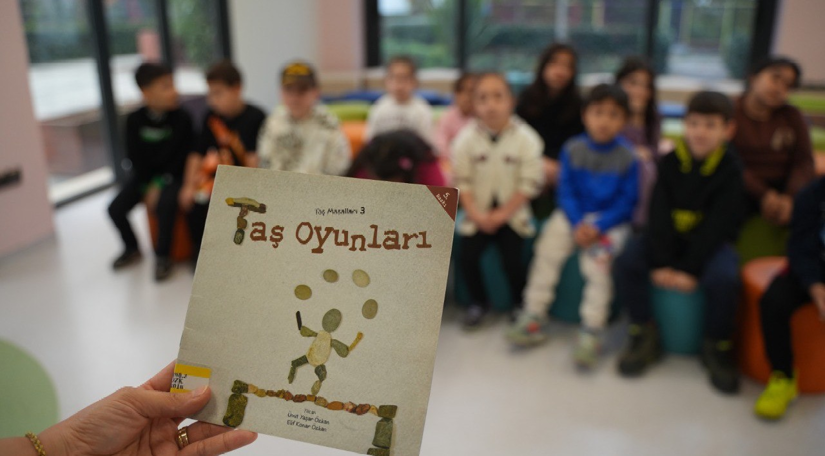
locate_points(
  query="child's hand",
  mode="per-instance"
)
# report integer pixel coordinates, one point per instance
(186, 197)
(684, 282)
(662, 277)
(497, 219)
(585, 235)
(817, 292)
(783, 216)
(551, 172)
(771, 206)
(484, 223)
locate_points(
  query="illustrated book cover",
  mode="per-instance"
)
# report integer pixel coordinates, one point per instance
(316, 308)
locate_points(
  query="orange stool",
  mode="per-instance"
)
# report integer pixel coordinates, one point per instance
(355, 131)
(808, 332)
(181, 242)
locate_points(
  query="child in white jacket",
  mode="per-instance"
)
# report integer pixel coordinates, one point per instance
(497, 168)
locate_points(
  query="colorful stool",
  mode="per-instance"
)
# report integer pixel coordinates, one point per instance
(759, 238)
(181, 240)
(807, 331)
(355, 131)
(27, 395)
(680, 317)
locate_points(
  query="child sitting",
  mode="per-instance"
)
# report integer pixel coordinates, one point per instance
(159, 137)
(301, 135)
(400, 108)
(398, 156)
(228, 136)
(597, 192)
(801, 283)
(643, 129)
(457, 116)
(696, 211)
(497, 168)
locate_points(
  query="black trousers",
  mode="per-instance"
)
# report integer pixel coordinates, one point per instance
(510, 245)
(196, 220)
(784, 296)
(719, 281)
(130, 195)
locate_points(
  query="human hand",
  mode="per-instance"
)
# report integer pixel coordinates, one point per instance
(143, 421)
(643, 153)
(551, 172)
(662, 277)
(817, 292)
(186, 197)
(585, 235)
(497, 219)
(771, 205)
(684, 282)
(783, 216)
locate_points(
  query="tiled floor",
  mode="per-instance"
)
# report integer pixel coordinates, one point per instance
(95, 331)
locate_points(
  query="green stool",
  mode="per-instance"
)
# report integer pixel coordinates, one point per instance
(759, 238)
(680, 317)
(348, 111)
(28, 401)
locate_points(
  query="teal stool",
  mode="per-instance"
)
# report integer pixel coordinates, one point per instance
(759, 239)
(680, 317)
(28, 401)
(495, 280)
(569, 292)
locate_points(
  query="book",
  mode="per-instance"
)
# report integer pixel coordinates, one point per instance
(316, 308)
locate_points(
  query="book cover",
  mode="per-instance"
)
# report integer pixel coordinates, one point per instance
(316, 308)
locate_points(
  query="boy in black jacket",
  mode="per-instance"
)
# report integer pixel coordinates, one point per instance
(802, 282)
(159, 136)
(695, 214)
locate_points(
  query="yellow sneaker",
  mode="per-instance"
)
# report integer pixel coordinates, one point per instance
(774, 401)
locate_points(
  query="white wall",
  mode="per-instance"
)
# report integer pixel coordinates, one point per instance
(266, 34)
(800, 34)
(25, 211)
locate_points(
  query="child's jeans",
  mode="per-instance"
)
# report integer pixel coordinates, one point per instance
(554, 247)
(719, 281)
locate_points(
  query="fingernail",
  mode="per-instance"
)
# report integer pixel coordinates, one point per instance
(200, 390)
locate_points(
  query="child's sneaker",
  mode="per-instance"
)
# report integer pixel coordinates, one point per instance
(526, 331)
(718, 357)
(588, 349)
(774, 401)
(474, 317)
(643, 349)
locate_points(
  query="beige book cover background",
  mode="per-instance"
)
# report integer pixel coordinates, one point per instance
(316, 308)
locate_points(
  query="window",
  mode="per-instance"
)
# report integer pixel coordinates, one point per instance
(422, 29)
(509, 35)
(65, 92)
(79, 110)
(709, 39)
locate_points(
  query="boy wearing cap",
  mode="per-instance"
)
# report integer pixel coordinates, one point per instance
(301, 135)
(228, 136)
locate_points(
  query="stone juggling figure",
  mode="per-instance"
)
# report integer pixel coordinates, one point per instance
(321, 348)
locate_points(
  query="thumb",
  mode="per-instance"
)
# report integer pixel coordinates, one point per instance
(159, 404)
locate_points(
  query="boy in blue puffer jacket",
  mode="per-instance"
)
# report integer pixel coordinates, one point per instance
(597, 194)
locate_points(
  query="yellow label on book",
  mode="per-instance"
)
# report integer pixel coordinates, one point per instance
(188, 378)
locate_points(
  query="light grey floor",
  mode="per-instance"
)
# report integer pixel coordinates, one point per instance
(95, 331)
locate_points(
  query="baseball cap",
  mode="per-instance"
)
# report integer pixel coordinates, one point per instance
(298, 73)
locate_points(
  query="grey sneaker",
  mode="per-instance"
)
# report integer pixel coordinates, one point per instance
(526, 331)
(588, 349)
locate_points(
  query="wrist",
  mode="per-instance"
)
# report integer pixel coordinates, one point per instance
(55, 442)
